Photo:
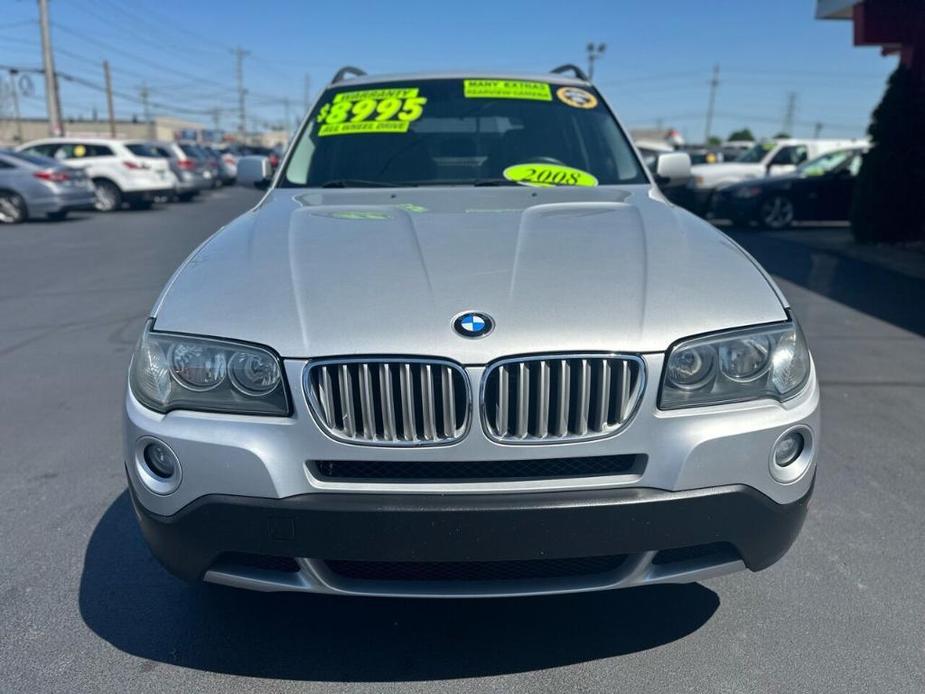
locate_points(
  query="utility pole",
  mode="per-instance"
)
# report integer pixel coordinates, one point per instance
(239, 55)
(714, 83)
(15, 95)
(53, 99)
(147, 109)
(594, 53)
(789, 113)
(217, 118)
(306, 97)
(288, 117)
(817, 130)
(112, 113)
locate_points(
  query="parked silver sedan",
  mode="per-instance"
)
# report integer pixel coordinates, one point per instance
(32, 187)
(465, 347)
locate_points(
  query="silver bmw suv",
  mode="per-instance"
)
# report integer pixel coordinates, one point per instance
(464, 347)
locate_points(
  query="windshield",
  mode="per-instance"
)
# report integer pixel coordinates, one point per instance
(31, 158)
(756, 153)
(820, 166)
(143, 150)
(461, 132)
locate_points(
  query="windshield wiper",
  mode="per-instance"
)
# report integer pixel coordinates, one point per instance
(493, 182)
(360, 183)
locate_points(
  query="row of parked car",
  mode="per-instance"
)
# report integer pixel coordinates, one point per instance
(51, 177)
(774, 183)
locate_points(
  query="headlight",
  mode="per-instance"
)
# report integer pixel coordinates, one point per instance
(173, 372)
(736, 365)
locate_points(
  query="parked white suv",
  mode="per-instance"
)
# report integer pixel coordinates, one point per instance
(118, 175)
(765, 158)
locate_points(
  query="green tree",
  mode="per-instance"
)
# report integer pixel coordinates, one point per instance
(782, 136)
(713, 141)
(887, 204)
(743, 134)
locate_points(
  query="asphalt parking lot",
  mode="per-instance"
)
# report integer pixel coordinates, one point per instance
(85, 607)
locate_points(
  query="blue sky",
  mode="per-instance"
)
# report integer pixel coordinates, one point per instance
(655, 70)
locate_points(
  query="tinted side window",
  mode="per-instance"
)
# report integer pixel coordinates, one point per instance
(790, 155)
(46, 150)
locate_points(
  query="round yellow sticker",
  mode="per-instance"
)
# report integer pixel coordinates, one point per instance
(548, 175)
(577, 97)
(79, 151)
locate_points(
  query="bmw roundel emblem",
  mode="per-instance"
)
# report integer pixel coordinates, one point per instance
(473, 324)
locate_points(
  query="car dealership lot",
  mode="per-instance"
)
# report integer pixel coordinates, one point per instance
(84, 606)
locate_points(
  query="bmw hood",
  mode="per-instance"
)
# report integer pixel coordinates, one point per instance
(344, 272)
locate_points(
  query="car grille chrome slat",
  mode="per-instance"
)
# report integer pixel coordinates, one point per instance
(544, 399)
(389, 401)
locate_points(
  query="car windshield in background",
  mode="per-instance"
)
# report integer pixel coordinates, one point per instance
(461, 132)
(756, 153)
(31, 158)
(192, 150)
(820, 166)
(141, 150)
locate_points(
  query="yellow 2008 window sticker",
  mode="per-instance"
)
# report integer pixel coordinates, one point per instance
(506, 89)
(371, 111)
(548, 175)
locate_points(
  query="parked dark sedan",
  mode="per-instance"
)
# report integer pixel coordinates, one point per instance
(820, 189)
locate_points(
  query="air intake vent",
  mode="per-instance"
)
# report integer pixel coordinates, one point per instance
(391, 402)
(560, 397)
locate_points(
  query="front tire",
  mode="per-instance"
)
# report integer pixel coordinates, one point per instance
(12, 208)
(776, 212)
(107, 196)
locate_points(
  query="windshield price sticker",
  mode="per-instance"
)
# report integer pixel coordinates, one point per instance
(371, 111)
(506, 89)
(548, 175)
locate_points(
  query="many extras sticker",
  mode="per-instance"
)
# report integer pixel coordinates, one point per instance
(506, 89)
(371, 111)
(548, 175)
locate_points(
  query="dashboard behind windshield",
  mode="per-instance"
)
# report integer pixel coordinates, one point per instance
(461, 132)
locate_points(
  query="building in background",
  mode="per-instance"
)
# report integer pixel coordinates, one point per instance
(164, 128)
(896, 26)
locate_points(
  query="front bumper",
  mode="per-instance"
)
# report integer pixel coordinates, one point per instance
(660, 537)
(724, 205)
(706, 470)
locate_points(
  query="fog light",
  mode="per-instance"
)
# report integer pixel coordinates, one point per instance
(157, 466)
(788, 448)
(161, 460)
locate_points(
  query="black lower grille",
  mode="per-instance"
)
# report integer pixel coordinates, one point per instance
(259, 561)
(476, 570)
(719, 550)
(429, 471)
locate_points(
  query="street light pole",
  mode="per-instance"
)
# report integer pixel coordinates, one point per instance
(15, 96)
(594, 52)
(714, 83)
(52, 98)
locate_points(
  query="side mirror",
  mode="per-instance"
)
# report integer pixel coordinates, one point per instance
(254, 172)
(673, 169)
